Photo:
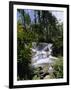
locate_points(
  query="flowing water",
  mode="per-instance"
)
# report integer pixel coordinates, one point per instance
(42, 55)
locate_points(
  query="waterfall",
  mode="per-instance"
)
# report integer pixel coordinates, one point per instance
(42, 54)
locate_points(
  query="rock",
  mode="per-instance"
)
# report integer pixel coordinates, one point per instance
(47, 77)
(50, 70)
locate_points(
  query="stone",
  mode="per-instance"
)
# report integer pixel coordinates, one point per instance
(47, 77)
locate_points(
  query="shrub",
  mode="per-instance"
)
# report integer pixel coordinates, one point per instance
(58, 68)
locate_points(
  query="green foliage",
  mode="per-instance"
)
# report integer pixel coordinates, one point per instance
(36, 77)
(23, 53)
(27, 19)
(58, 41)
(58, 68)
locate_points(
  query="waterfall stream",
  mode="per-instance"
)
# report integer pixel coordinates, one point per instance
(42, 55)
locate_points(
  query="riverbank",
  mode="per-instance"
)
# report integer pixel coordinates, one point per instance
(43, 73)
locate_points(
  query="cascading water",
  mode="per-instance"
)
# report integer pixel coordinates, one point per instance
(42, 55)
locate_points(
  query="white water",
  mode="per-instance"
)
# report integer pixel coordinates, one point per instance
(42, 54)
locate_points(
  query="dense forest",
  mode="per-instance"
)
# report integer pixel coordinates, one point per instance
(37, 26)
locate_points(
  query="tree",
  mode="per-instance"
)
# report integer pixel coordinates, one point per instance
(23, 53)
